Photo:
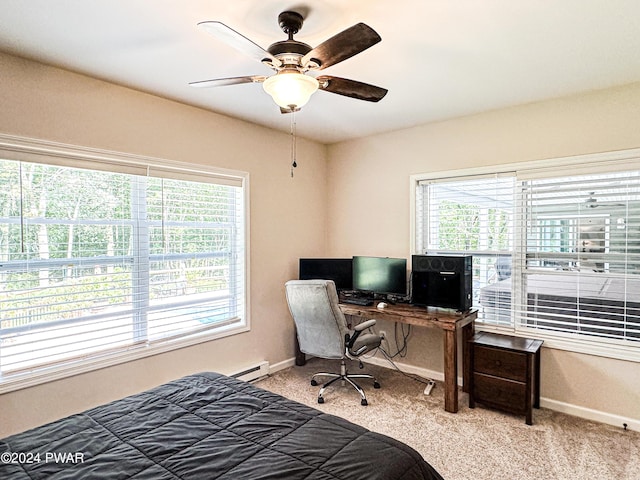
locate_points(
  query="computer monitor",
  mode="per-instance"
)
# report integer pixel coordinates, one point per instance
(381, 275)
(337, 269)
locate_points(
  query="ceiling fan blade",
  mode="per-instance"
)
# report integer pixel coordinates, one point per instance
(344, 45)
(351, 88)
(221, 82)
(239, 42)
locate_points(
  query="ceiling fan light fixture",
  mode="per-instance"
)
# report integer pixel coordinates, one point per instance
(290, 89)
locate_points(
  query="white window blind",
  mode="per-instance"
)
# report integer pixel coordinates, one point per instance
(472, 216)
(556, 247)
(96, 263)
(582, 270)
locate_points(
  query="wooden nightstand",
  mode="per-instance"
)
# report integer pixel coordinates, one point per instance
(505, 373)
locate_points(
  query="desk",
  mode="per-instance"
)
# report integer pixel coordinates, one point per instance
(450, 322)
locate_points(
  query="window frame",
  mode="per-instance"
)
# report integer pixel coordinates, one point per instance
(563, 166)
(16, 148)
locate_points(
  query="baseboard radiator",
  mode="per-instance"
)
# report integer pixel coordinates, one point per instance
(253, 373)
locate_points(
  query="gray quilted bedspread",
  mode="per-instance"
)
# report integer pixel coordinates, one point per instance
(207, 426)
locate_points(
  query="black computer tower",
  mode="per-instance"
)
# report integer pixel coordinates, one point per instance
(442, 281)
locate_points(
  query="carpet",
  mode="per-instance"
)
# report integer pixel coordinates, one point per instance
(472, 444)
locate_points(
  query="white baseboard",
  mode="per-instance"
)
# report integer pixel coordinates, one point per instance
(274, 367)
(569, 409)
(590, 414)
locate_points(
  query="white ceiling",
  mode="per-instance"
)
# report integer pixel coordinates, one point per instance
(439, 58)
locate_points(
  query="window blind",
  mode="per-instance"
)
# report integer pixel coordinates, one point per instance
(472, 216)
(582, 270)
(94, 263)
(64, 155)
(569, 266)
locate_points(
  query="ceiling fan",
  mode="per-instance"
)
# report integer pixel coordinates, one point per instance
(592, 202)
(291, 86)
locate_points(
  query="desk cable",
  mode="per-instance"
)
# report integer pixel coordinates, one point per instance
(402, 352)
(417, 378)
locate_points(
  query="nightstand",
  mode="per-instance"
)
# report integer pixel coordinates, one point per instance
(505, 373)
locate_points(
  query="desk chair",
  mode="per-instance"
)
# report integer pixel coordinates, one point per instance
(323, 332)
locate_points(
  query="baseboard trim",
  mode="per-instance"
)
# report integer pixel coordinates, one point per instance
(556, 405)
(273, 368)
(590, 414)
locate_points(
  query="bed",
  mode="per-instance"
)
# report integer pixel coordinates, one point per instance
(207, 426)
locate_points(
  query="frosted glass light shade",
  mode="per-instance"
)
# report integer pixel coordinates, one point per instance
(290, 89)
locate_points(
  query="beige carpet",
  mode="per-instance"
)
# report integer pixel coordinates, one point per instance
(474, 443)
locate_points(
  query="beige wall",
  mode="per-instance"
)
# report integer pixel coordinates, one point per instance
(370, 200)
(287, 216)
(368, 177)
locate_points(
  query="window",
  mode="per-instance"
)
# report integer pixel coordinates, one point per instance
(97, 265)
(556, 249)
(582, 262)
(472, 216)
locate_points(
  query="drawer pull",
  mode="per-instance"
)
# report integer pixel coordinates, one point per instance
(498, 363)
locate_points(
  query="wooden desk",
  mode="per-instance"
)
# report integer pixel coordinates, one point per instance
(447, 320)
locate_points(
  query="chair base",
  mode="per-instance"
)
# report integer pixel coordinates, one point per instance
(344, 377)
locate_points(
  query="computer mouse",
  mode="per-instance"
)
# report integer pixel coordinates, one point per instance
(382, 305)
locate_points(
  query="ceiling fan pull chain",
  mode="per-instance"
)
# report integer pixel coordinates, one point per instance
(294, 164)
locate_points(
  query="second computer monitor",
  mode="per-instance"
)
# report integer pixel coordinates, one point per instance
(336, 269)
(382, 275)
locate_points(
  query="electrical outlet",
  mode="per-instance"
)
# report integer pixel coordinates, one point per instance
(383, 336)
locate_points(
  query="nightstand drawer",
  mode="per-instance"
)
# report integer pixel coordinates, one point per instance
(501, 363)
(501, 393)
(505, 373)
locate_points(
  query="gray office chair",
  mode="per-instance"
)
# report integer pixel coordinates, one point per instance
(323, 332)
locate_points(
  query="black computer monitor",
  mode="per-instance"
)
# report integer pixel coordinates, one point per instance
(337, 269)
(382, 275)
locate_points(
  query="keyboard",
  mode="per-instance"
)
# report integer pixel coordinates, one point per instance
(362, 301)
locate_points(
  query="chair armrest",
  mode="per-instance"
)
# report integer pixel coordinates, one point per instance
(365, 325)
(357, 330)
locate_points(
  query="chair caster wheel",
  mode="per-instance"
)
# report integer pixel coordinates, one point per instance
(320, 400)
(364, 402)
(314, 383)
(376, 385)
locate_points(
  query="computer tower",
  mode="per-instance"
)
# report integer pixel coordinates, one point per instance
(442, 281)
